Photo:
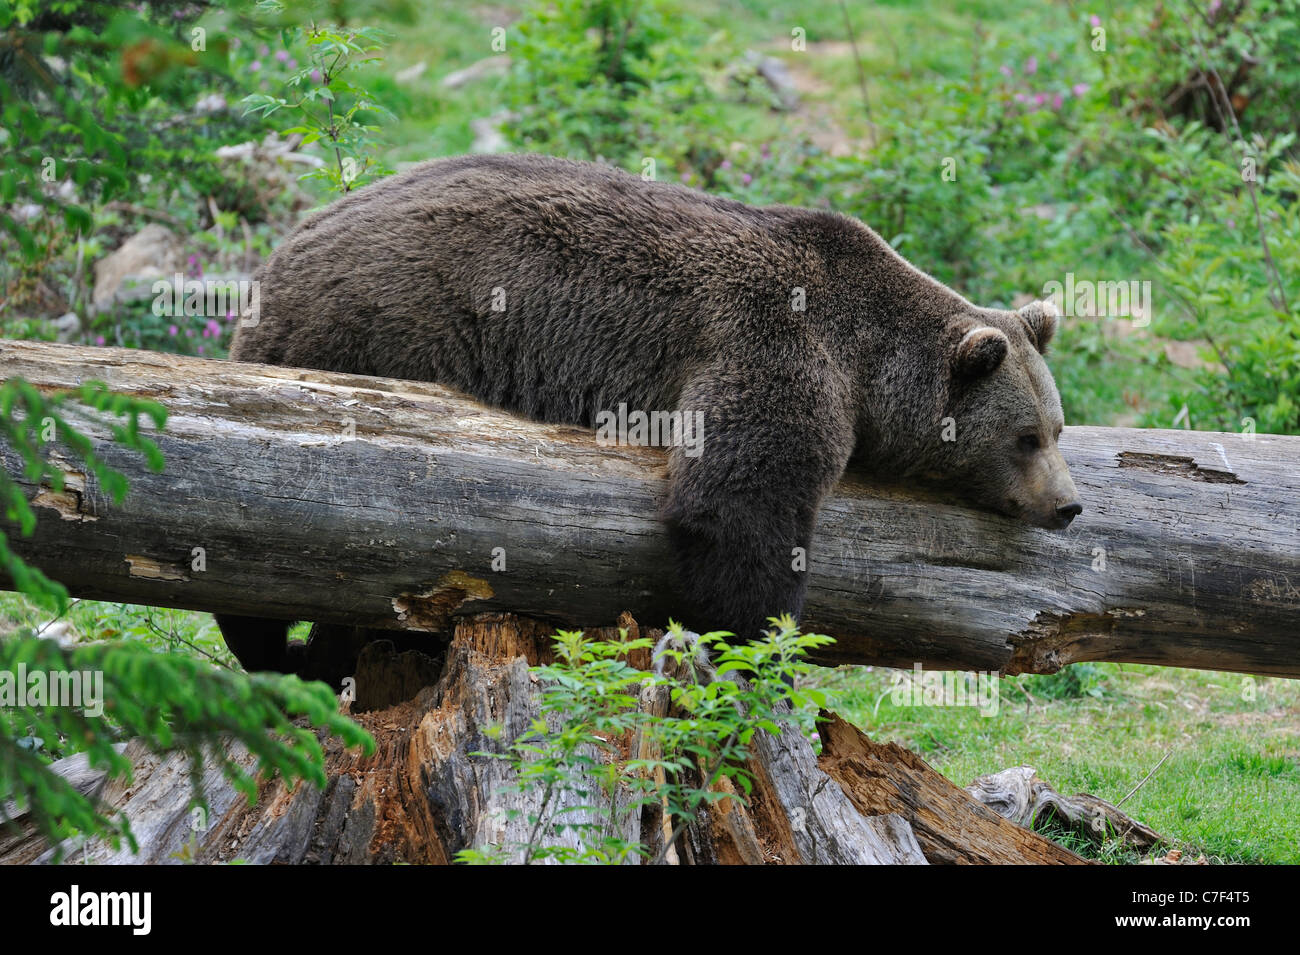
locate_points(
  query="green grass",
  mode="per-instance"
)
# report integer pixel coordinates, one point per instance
(432, 121)
(91, 620)
(901, 44)
(1228, 789)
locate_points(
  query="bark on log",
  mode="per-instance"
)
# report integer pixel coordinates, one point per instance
(380, 503)
(425, 794)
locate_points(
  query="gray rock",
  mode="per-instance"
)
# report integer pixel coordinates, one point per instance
(152, 253)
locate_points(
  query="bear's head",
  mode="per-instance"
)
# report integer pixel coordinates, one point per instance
(1005, 416)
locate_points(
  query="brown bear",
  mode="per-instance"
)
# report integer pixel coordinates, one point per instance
(564, 290)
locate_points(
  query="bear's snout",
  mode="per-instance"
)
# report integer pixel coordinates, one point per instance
(1068, 512)
(1043, 492)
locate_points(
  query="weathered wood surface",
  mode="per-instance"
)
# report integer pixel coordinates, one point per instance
(1018, 794)
(426, 793)
(951, 826)
(381, 503)
(20, 839)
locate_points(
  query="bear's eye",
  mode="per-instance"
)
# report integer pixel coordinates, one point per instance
(1028, 442)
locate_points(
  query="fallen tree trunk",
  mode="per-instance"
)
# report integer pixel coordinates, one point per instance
(378, 503)
(428, 792)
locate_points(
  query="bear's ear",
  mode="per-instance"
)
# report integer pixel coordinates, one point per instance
(980, 352)
(1041, 318)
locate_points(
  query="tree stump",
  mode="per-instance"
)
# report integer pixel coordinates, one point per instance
(427, 793)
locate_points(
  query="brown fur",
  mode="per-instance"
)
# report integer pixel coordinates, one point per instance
(621, 290)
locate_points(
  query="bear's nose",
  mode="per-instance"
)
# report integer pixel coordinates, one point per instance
(1068, 512)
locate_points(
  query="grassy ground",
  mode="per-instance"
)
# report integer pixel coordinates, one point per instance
(91, 620)
(1227, 790)
(900, 43)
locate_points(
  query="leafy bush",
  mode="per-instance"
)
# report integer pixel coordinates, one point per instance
(98, 103)
(1221, 268)
(1201, 62)
(1068, 683)
(590, 700)
(619, 80)
(332, 107)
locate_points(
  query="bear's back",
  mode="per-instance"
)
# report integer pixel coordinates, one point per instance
(552, 287)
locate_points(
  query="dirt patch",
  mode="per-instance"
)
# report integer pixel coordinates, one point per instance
(817, 118)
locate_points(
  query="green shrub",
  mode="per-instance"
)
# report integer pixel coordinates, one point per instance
(590, 700)
(620, 80)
